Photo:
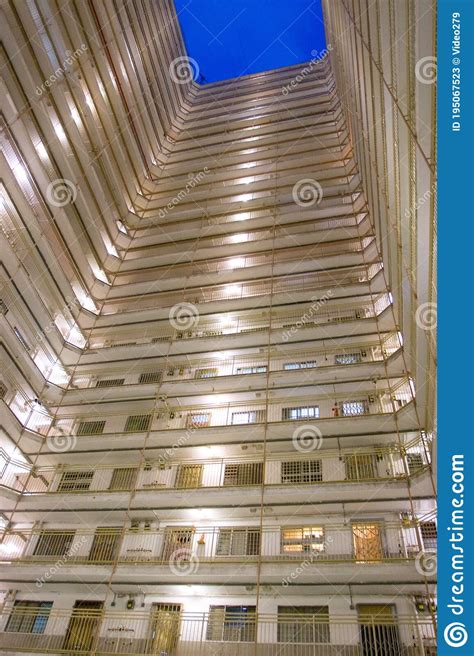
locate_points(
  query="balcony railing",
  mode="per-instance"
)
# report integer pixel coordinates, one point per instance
(169, 472)
(311, 542)
(166, 630)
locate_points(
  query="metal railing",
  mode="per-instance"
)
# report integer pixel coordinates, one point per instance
(166, 630)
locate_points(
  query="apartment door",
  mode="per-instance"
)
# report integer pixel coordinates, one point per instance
(83, 626)
(378, 630)
(164, 629)
(105, 544)
(367, 542)
(177, 540)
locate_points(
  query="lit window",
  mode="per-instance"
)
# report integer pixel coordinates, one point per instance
(302, 412)
(198, 419)
(351, 408)
(301, 471)
(249, 417)
(252, 370)
(347, 358)
(305, 539)
(210, 372)
(289, 366)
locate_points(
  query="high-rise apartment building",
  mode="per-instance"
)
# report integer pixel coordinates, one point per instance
(217, 372)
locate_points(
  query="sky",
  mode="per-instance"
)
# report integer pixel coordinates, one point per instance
(231, 38)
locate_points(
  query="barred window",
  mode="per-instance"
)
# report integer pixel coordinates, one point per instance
(414, 462)
(72, 481)
(429, 533)
(151, 377)
(54, 543)
(111, 382)
(3, 390)
(351, 408)
(308, 364)
(123, 478)
(301, 412)
(304, 624)
(302, 471)
(245, 473)
(189, 476)
(249, 417)
(137, 423)
(347, 358)
(231, 624)
(302, 539)
(258, 369)
(91, 427)
(198, 419)
(209, 372)
(238, 542)
(360, 466)
(29, 617)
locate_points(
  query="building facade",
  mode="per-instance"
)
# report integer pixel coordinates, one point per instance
(212, 441)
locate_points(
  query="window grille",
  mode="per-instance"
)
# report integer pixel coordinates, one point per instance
(259, 369)
(111, 382)
(301, 412)
(429, 533)
(231, 624)
(248, 417)
(54, 543)
(198, 419)
(151, 377)
(91, 428)
(352, 408)
(29, 617)
(123, 478)
(238, 542)
(290, 366)
(304, 539)
(210, 372)
(244, 473)
(302, 471)
(189, 476)
(137, 423)
(303, 624)
(3, 390)
(73, 481)
(414, 462)
(348, 358)
(360, 467)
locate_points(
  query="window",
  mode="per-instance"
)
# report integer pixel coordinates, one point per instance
(309, 364)
(429, 533)
(29, 617)
(74, 481)
(302, 471)
(3, 390)
(238, 542)
(21, 338)
(301, 412)
(414, 462)
(54, 543)
(123, 478)
(305, 624)
(348, 358)
(209, 372)
(367, 540)
(111, 382)
(351, 408)
(231, 624)
(360, 467)
(137, 423)
(189, 476)
(91, 428)
(198, 419)
(305, 539)
(249, 417)
(260, 369)
(151, 377)
(246, 473)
